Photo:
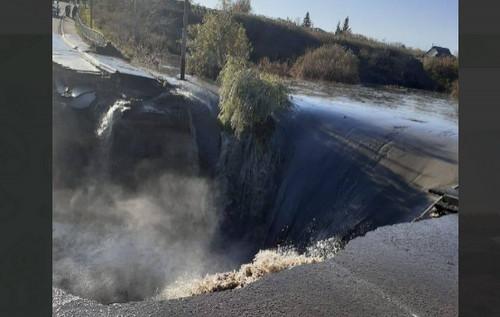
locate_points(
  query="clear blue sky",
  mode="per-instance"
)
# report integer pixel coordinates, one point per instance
(415, 23)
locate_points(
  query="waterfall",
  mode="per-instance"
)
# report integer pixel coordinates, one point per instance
(106, 122)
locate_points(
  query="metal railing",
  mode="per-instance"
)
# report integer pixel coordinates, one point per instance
(94, 37)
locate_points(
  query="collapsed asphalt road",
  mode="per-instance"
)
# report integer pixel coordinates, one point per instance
(400, 270)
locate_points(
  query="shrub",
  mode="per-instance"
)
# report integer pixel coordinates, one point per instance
(443, 70)
(243, 6)
(248, 98)
(454, 89)
(217, 38)
(276, 68)
(388, 66)
(329, 62)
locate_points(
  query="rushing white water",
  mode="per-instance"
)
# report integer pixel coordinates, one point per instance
(264, 262)
(106, 121)
(112, 246)
(191, 283)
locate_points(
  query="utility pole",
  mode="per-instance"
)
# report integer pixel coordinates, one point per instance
(91, 14)
(135, 21)
(184, 40)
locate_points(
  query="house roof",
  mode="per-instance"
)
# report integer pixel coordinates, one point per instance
(439, 51)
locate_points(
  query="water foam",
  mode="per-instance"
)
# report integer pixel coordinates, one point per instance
(264, 263)
(119, 106)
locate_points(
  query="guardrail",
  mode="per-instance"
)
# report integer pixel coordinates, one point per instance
(94, 37)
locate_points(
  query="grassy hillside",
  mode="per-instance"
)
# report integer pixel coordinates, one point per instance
(151, 34)
(276, 39)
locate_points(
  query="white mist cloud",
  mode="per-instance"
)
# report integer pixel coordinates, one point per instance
(112, 245)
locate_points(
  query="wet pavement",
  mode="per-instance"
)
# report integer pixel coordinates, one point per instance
(70, 58)
(70, 51)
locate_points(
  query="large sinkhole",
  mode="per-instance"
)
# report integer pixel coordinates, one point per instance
(149, 191)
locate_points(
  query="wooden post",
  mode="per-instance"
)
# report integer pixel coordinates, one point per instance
(91, 14)
(184, 40)
(136, 20)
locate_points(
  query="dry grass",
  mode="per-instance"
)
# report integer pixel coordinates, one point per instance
(278, 68)
(443, 70)
(85, 15)
(454, 89)
(359, 41)
(149, 34)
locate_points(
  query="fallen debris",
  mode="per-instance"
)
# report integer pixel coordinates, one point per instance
(446, 203)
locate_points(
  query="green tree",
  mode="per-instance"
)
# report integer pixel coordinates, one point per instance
(307, 21)
(338, 30)
(213, 41)
(225, 5)
(346, 28)
(249, 98)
